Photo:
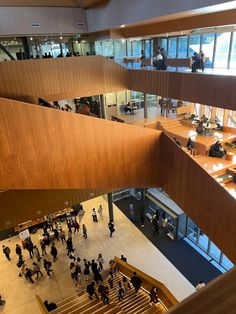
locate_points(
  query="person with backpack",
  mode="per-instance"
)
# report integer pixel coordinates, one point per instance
(18, 250)
(6, 251)
(136, 282)
(120, 291)
(54, 252)
(91, 290)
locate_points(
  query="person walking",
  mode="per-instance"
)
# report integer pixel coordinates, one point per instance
(54, 252)
(100, 211)
(110, 279)
(6, 251)
(47, 265)
(94, 215)
(91, 290)
(111, 228)
(86, 269)
(76, 226)
(70, 248)
(18, 250)
(94, 266)
(136, 282)
(43, 247)
(126, 284)
(36, 270)
(153, 296)
(142, 218)
(36, 253)
(85, 235)
(131, 212)
(28, 275)
(63, 235)
(120, 291)
(100, 261)
(30, 248)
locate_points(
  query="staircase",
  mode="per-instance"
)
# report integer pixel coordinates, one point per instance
(80, 303)
(169, 124)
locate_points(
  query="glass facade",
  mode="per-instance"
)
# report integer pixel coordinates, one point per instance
(207, 246)
(222, 50)
(194, 44)
(208, 42)
(182, 47)
(233, 53)
(172, 45)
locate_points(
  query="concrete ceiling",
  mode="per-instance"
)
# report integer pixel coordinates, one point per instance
(50, 3)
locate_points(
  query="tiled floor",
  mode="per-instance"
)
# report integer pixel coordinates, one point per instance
(127, 240)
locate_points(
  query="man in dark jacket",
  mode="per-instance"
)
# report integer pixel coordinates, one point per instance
(6, 250)
(136, 282)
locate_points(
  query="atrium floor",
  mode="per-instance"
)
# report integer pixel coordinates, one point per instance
(127, 240)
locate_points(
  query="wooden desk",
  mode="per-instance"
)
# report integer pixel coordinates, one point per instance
(229, 156)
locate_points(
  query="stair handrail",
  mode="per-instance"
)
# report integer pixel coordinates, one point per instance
(165, 296)
(41, 305)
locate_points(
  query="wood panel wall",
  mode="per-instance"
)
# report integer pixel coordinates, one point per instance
(44, 148)
(213, 90)
(217, 297)
(203, 199)
(62, 78)
(17, 206)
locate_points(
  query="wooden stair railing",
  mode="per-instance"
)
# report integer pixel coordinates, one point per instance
(165, 296)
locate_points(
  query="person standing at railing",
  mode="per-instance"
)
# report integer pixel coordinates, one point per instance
(142, 57)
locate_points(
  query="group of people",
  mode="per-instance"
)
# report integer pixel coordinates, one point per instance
(217, 150)
(130, 107)
(166, 105)
(159, 61)
(198, 60)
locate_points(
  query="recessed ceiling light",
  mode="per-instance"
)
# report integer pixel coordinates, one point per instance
(61, 37)
(31, 38)
(122, 26)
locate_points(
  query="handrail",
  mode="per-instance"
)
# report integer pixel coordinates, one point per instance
(41, 306)
(164, 294)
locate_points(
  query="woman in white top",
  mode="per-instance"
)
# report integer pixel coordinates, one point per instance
(164, 220)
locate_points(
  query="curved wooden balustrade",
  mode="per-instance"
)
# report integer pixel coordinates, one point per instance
(63, 78)
(166, 297)
(216, 298)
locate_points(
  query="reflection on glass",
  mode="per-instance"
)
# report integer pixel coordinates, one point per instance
(107, 48)
(232, 118)
(203, 241)
(233, 53)
(194, 44)
(222, 50)
(172, 42)
(208, 41)
(182, 47)
(220, 115)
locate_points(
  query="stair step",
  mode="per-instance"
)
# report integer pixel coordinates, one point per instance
(81, 307)
(91, 309)
(71, 304)
(70, 298)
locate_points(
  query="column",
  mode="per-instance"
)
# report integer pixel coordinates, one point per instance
(213, 114)
(145, 106)
(202, 110)
(26, 48)
(110, 207)
(226, 115)
(102, 106)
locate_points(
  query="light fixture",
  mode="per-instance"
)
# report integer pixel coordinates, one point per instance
(122, 26)
(61, 37)
(31, 38)
(123, 40)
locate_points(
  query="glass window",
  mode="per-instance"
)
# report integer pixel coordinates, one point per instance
(226, 263)
(197, 108)
(172, 42)
(203, 241)
(222, 50)
(194, 44)
(220, 115)
(137, 47)
(192, 231)
(164, 43)
(98, 48)
(232, 118)
(120, 48)
(233, 53)
(208, 111)
(129, 49)
(107, 48)
(214, 252)
(182, 47)
(208, 41)
(147, 48)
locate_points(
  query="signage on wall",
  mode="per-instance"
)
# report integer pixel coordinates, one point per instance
(35, 24)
